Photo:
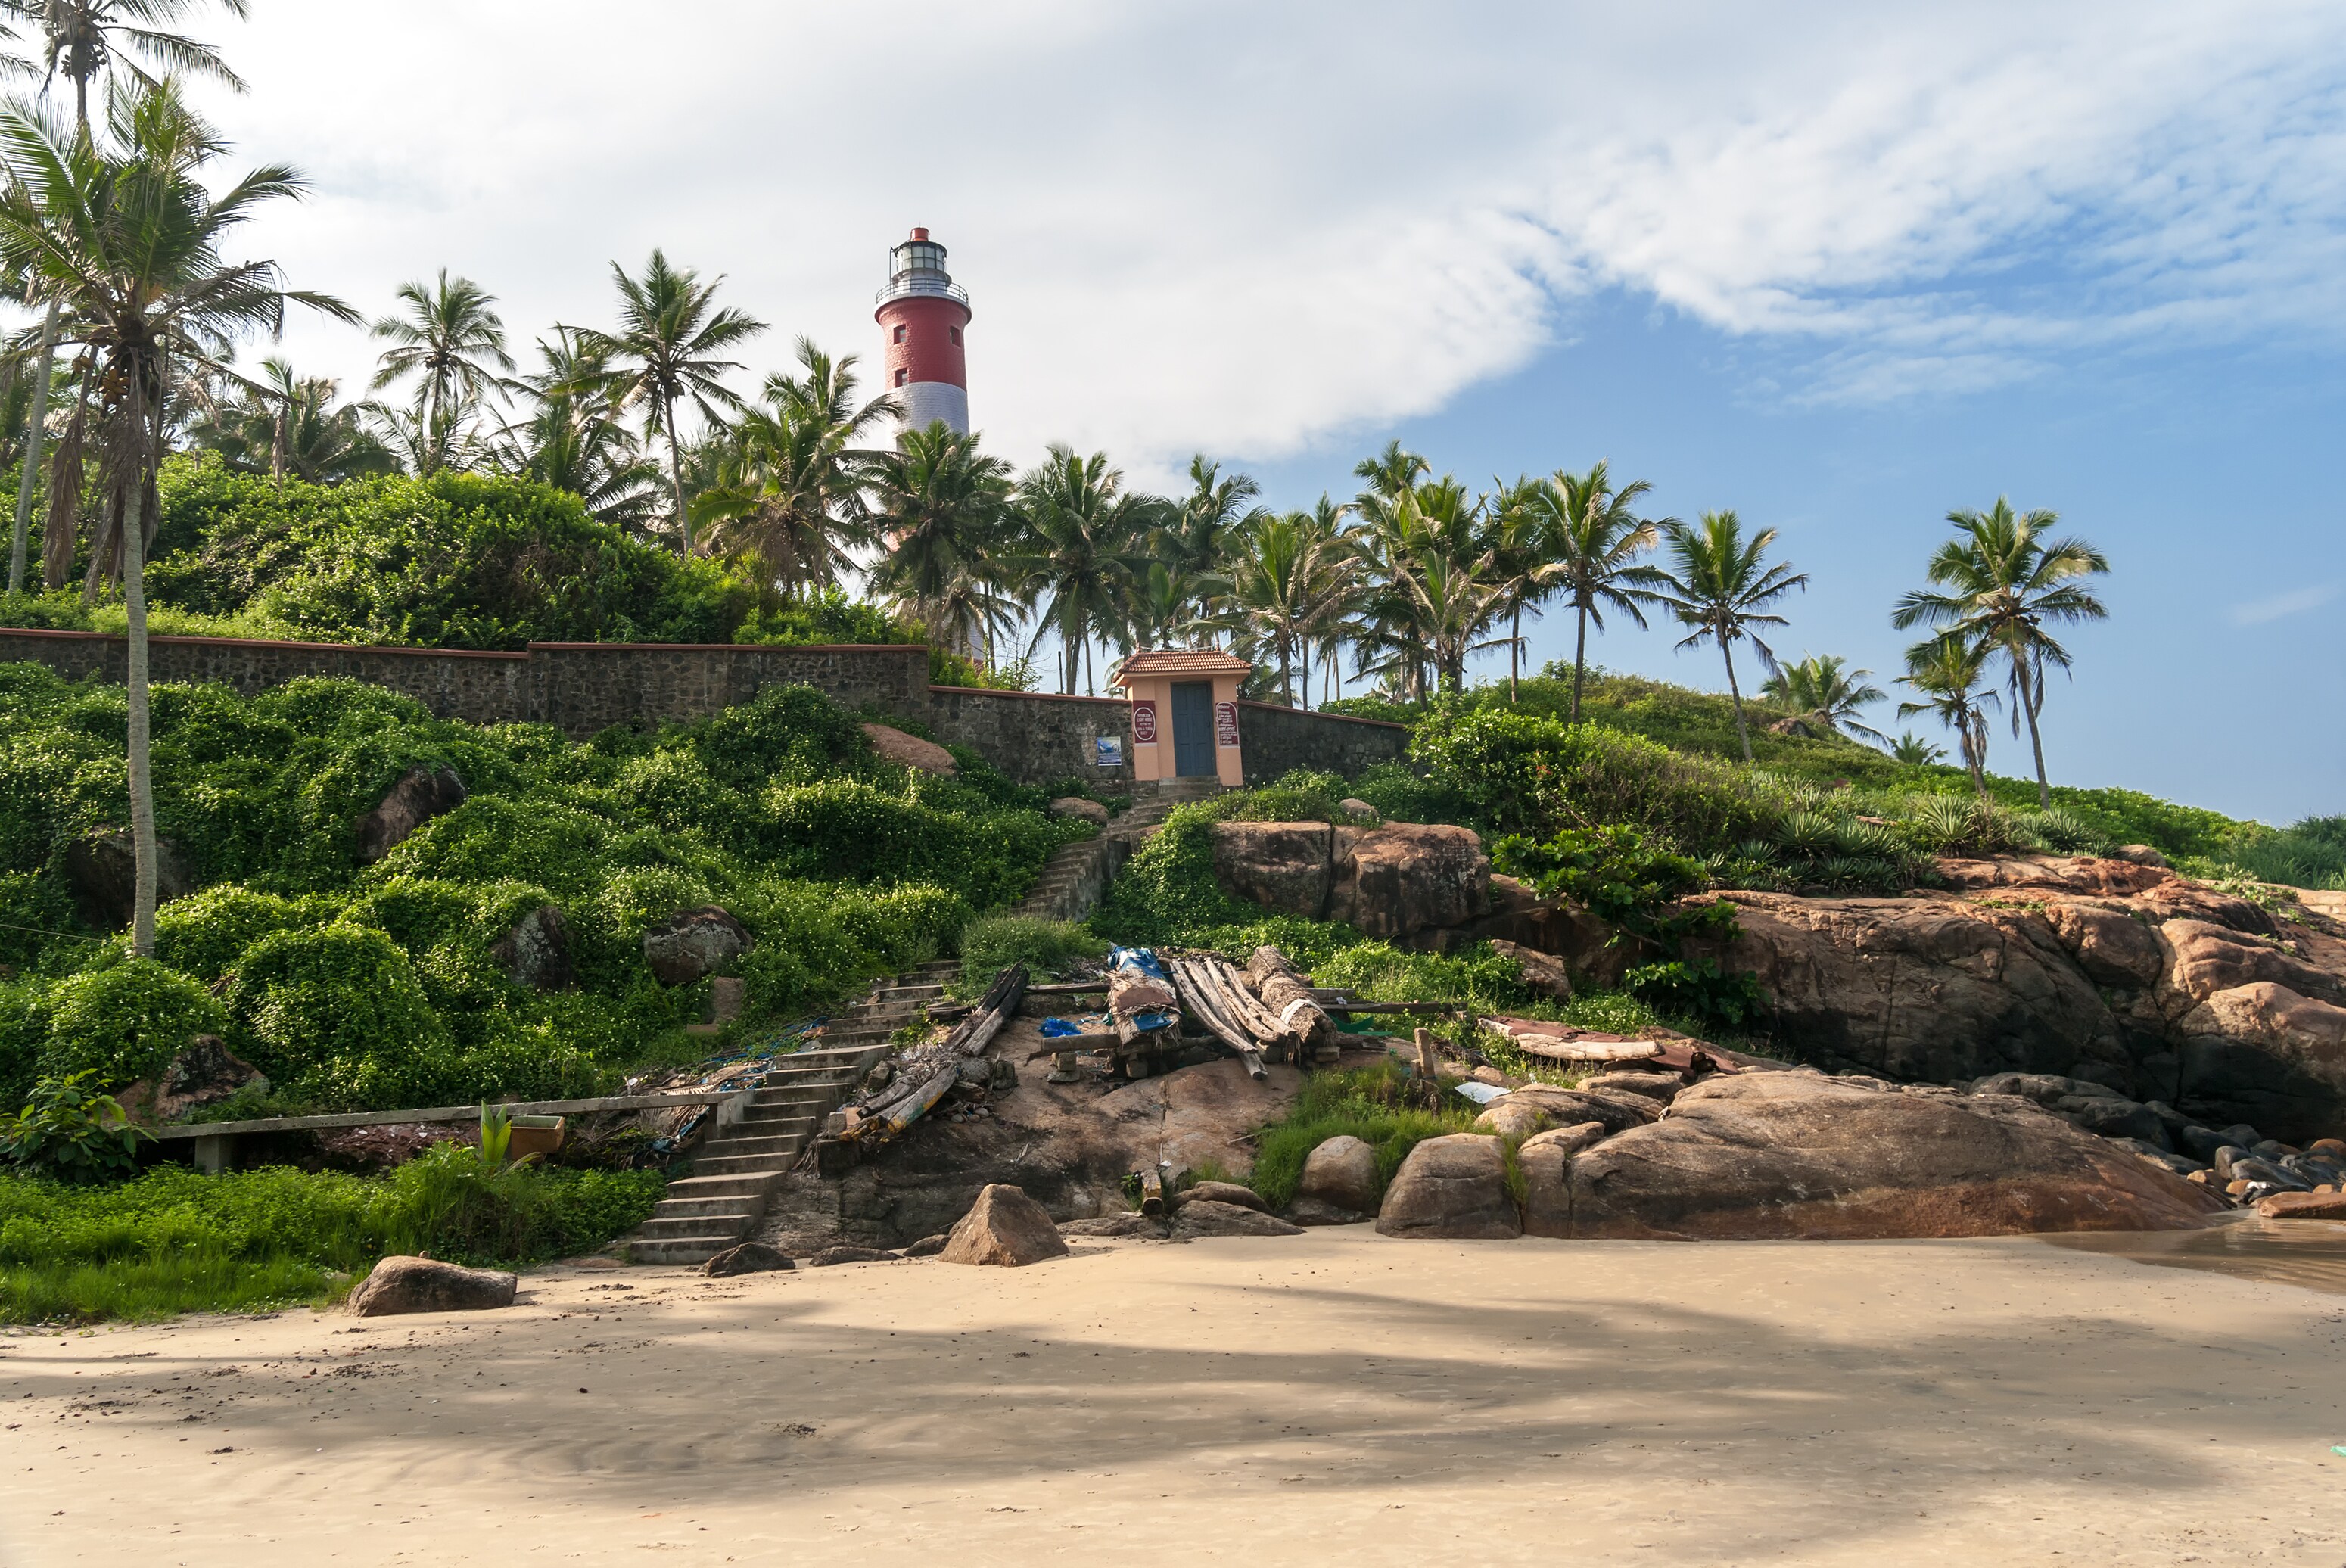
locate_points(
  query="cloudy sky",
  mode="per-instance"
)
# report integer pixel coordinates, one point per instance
(1841, 269)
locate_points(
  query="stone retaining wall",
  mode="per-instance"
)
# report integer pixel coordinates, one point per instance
(1036, 738)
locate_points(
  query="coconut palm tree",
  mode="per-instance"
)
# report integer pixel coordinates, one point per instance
(126, 238)
(668, 351)
(787, 483)
(1592, 538)
(1284, 574)
(286, 424)
(1946, 672)
(2004, 583)
(1719, 585)
(451, 337)
(572, 438)
(1914, 752)
(1819, 693)
(87, 38)
(1077, 532)
(937, 504)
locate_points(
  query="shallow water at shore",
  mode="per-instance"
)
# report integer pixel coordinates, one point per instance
(2310, 1253)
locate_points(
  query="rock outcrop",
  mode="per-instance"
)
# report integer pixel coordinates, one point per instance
(1198, 1219)
(911, 750)
(398, 1285)
(1452, 1187)
(1004, 1227)
(102, 872)
(421, 794)
(537, 951)
(1390, 882)
(1801, 1155)
(692, 944)
(749, 1257)
(1339, 1185)
(1076, 806)
(205, 1073)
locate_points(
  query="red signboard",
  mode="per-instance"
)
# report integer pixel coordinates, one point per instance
(1226, 726)
(1144, 724)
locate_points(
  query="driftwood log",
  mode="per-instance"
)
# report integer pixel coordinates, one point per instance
(1206, 997)
(928, 1072)
(1288, 997)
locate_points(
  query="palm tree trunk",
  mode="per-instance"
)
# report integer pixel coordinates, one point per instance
(33, 429)
(675, 471)
(1735, 691)
(1514, 649)
(2028, 700)
(1579, 662)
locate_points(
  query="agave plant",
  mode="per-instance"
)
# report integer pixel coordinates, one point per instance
(1808, 833)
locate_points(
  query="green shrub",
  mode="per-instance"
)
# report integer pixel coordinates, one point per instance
(1613, 872)
(69, 1130)
(336, 1016)
(123, 1022)
(203, 933)
(1047, 947)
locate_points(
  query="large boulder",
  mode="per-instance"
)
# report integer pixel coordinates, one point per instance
(537, 951)
(909, 749)
(1510, 1117)
(1281, 866)
(1395, 880)
(2210, 958)
(102, 875)
(205, 1073)
(1799, 1155)
(1544, 974)
(399, 1285)
(1451, 1187)
(1223, 1192)
(1005, 1227)
(1616, 1112)
(1201, 1217)
(1084, 811)
(421, 794)
(748, 1257)
(2264, 1055)
(1339, 1182)
(691, 945)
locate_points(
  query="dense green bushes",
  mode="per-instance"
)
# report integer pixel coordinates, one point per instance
(393, 983)
(173, 1241)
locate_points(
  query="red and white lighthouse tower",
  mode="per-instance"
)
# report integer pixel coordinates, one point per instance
(921, 316)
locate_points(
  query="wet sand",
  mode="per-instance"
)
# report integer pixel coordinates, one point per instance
(1324, 1397)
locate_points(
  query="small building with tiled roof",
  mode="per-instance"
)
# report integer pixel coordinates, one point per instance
(1185, 713)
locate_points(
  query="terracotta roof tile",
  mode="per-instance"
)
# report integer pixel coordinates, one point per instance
(1179, 661)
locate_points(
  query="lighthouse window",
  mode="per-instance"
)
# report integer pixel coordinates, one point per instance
(899, 378)
(954, 330)
(899, 332)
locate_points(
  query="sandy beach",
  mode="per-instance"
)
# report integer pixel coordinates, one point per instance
(1333, 1396)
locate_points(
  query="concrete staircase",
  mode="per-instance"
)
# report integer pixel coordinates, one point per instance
(760, 1133)
(1076, 876)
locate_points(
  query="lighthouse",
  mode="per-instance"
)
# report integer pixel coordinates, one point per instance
(922, 315)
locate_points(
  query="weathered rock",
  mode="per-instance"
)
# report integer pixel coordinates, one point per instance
(2254, 1168)
(2047, 1089)
(1076, 806)
(1570, 1140)
(832, 1256)
(2327, 1148)
(2264, 1051)
(2114, 1119)
(1398, 879)
(2303, 1205)
(1512, 1119)
(2181, 1165)
(205, 1073)
(1662, 1086)
(749, 1257)
(1360, 812)
(691, 945)
(421, 794)
(1224, 1192)
(537, 951)
(2140, 855)
(1800, 1155)
(1004, 1227)
(1454, 1188)
(102, 874)
(1129, 1225)
(1342, 1173)
(2112, 948)
(2211, 958)
(1543, 972)
(1569, 1107)
(1195, 1221)
(928, 1246)
(1312, 1211)
(909, 749)
(1282, 866)
(399, 1285)
(2201, 1143)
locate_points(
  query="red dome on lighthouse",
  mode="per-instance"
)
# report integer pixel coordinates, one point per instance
(922, 314)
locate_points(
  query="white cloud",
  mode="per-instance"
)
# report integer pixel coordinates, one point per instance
(2279, 606)
(1240, 228)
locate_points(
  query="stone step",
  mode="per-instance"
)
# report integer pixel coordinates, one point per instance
(679, 1249)
(693, 1188)
(766, 1114)
(731, 1228)
(716, 1211)
(742, 1164)
(806, 1121)
(763, 1144)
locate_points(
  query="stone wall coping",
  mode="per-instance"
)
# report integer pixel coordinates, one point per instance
(920, 648)
(1029, 696)
(264, 643)
(1318, 713)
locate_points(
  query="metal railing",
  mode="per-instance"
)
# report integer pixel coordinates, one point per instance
(914, 286)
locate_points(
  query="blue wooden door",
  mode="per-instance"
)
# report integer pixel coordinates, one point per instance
(1193, 728)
